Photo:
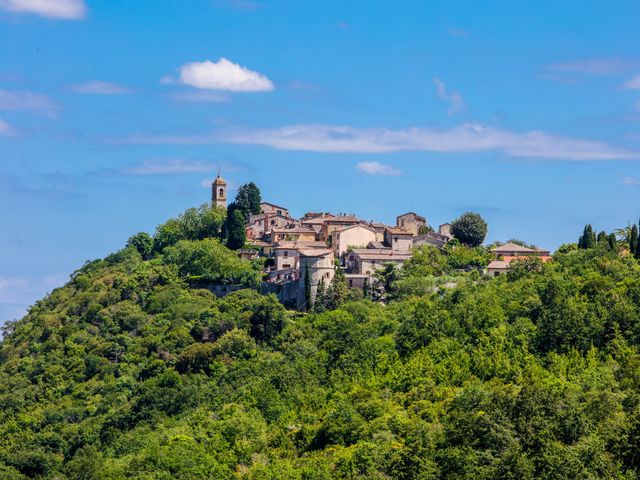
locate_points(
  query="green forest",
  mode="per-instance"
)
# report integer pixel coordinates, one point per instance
(133, 370)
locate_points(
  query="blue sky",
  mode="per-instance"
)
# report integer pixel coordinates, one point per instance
(115, 115)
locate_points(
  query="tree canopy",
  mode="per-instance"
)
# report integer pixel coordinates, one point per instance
(470, 229)
(134, 371)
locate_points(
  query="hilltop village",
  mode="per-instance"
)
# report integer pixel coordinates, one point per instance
(302, 254)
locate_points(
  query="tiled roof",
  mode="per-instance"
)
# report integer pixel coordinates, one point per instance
(514, 247)
(300, 229)
(315, 252)
(292, 245)
(399, 231)
(500, 264)
(381, 253)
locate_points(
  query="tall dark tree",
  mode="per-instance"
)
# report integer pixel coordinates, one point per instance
(248, 199)
(307, 288)
(588, 238)
(470, 228)
(602, 237)
(612, 241)
(235, 227)
(633, 240)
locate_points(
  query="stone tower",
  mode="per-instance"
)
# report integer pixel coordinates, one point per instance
(219, 192)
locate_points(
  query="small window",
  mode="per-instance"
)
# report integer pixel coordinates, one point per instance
(221, 194)
(350, 283)
(495, 274)
(279, 212)
(286, 253)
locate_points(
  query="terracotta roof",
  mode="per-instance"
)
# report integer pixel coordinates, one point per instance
(377, 244)
(219, 181)
(381, 253)
(318, 220)
(399, 231)
(300, 229)
(273, 205)
(343, 218)
(315, 252)
(514, 247)
(348, 227)
(292, 245)
(499, 264)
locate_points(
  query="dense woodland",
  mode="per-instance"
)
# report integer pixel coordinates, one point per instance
(134, 371)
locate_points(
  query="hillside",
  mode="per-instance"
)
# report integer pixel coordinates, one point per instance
(134, 371)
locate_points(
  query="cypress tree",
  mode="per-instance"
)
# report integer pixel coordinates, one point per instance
(602, 237)
(307, 288)
(588, 238)
(633, 240)
(613, 243)
(235, 227)
(321, 297)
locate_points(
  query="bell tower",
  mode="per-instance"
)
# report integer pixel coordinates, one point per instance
(219, 192)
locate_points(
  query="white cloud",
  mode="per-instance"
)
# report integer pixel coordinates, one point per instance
(25, 100)
(454, 99)
(221, 75)
(462, 139)
(6, 130)
(633, 83)
(98, 87)
(168, 166)
(593, 66)
(62, 9)
(631, 181)
(377, 168)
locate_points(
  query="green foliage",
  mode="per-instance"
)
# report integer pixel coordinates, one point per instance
(588, 238)
(194, 224)
(248, 199)
(143, 243)
(470, 228)
(235, 227)
(132, 371)
(208, 260)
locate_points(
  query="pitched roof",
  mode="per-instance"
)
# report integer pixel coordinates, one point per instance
(315, 252)
(273, 205)
(418, 217)
(299, 229)
(514, 247)
(349, 227)
(296, 245)
(399, 231)
(381, 254)
(499, 264)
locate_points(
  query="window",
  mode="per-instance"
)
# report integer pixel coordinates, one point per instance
(350, 283)
(286, 253)
(221, 194)
(495, 274)
(279, 212)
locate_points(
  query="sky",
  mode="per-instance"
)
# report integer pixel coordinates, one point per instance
(115, 115)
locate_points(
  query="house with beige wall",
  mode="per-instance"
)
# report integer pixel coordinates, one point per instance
(352, 236)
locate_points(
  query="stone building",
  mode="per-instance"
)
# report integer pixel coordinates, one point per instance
(351, 236)
(398, 239)
(411, 222)
(507, 253)
(219, 192)
(320, 265)
(367, 260)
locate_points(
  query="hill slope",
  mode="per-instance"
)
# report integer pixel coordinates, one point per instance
(132, 372)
